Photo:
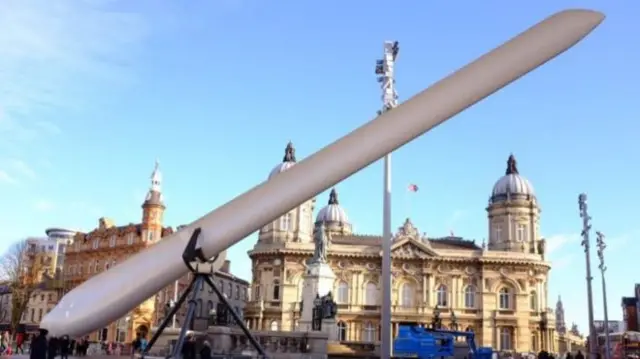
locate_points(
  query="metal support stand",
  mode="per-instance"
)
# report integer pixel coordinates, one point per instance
(202, 269)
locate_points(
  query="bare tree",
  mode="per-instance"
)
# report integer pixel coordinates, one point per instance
(17, 269)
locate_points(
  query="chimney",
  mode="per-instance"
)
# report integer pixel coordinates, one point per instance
(226, 266)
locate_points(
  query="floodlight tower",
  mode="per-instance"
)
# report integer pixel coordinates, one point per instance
(603, 268)
(385, 73)
(586, 243)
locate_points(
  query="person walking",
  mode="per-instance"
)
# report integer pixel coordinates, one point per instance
(65, 345)
(39, 346)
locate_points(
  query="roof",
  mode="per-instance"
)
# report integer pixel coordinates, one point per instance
(119, 230)
(449, 242)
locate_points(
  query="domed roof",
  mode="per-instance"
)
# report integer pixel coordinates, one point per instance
(333, 211)
(288, 161)
(512, 185)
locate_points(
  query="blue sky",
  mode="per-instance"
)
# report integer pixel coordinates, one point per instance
(92, 92)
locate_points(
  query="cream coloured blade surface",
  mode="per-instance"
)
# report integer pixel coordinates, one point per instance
(110, 295)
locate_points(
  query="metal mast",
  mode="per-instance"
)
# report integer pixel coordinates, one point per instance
(586, 227)
(385, 72)
(603, 268)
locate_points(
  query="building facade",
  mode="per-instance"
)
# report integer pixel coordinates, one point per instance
(100, 249)
(46, 256)
(567, 340)
(207, 303)
(497, 289)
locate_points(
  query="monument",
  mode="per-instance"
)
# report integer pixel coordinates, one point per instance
(317, 286)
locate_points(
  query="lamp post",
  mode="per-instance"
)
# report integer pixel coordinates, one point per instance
(603, 268)
(586, 227)
(385, 72)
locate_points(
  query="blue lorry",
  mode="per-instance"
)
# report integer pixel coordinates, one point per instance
(424, 343)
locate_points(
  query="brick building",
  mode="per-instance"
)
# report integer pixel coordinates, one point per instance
(96, 251)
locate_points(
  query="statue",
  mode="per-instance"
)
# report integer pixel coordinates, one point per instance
(321, 241)
(541, 247)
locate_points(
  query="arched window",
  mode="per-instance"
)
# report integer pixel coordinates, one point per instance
(533, 300)
(199, 308)
(369, 333)
(407, 295)
(371, 294)
(441, 295)
(285, 222)
(342, 331)
(505, 338)
(274, 326)
(276, 290)
(504, 301)
(343, 292)
(470, 296)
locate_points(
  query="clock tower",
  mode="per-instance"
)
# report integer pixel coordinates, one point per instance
(153, 209)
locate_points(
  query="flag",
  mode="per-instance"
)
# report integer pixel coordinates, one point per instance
(412, 188)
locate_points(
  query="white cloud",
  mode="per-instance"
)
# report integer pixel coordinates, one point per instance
(6, 178)
(44, 206)
(49, 127)
(22, 168)
(53, 52)
(557, 241)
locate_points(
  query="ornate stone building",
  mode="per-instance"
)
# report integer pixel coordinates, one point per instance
(96, 251)
(497, 289)
(567, 339)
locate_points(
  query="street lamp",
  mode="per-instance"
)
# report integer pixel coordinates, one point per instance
(603, 268)
(586, 227)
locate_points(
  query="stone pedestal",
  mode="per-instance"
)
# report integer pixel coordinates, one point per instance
(318, 280)
(330, 328)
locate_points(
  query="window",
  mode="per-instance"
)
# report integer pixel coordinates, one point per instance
(199, 309)
(150, 236)
(505, 299)
(470, 296)
(256, 292)
(230, 285)
(533, 300)
(33, 315)
(274, 326)
(441, 295)
(237, 291)
(285, 223)
(342, 331)
(209, 307)
(497, 234)
(534, 342)
(408, 294)
(369, 334)
(130, 238)
(112, 241)
(343, 293)
(521, 233)
(371, 294)
(39, 314)
(96, 244)
(96, 266)
(276, 290)
(505, 339)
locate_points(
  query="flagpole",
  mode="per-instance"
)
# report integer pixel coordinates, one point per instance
(384, 70)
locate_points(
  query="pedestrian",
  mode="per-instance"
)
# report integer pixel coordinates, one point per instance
(135, 345)
(579, 355)
(65, 345)
(19, 343)
(53, 347)
(205, 352)
(39, 346)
